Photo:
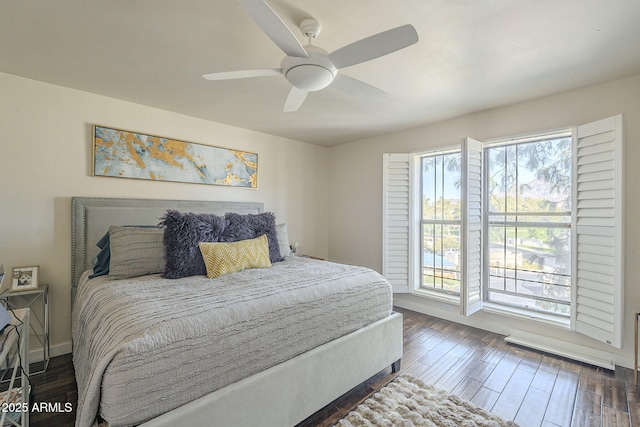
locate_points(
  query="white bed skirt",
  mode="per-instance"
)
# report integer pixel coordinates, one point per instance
(288, 393)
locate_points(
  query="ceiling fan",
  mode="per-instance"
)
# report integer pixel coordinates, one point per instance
(311, 68)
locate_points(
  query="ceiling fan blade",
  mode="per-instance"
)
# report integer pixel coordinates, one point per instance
(357, 87)
(374, 46)
(274, 27)
(294, 100)
(243, 74)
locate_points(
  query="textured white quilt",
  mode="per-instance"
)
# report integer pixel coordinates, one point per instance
(144, 346)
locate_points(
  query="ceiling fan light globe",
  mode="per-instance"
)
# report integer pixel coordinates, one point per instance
(309, 77)
(310, 74)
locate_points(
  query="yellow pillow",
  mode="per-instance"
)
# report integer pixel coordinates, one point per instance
(224, 258)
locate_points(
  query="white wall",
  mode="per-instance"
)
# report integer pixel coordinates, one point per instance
(45, 159)
(355, 216)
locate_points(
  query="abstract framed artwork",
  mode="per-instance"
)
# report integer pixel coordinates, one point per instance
(126, 154)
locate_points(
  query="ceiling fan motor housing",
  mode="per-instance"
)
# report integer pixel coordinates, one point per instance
(310, 68)
(311, 74)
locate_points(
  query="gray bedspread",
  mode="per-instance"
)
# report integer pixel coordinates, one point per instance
(144, 346)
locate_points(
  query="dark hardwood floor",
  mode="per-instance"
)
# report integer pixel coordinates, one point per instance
(527, 386)
(56, 385)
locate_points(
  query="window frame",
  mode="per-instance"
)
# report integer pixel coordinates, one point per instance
(487, 224)
(420, 285)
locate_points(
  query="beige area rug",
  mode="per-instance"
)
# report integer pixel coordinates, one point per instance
(409, 402)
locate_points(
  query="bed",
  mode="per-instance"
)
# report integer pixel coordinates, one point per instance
(262, 346)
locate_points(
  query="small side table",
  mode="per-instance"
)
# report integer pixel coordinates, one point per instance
(39, 319)
(14, 359)
(636, 364)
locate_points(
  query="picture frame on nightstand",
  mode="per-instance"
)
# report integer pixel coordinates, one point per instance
(24, 278)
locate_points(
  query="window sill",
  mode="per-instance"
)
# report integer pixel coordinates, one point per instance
(517, 313)
(438, 296)
(497, 309)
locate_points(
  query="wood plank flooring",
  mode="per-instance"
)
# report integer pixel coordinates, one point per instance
(519, 384)
(529, 387)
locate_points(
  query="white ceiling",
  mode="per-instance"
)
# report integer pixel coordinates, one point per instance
(472, 55)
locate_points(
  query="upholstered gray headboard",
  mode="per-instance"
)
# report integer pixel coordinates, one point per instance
(91, 218)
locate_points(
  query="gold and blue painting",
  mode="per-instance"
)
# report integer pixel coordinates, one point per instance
(125, 154)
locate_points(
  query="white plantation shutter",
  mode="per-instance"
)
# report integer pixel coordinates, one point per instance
(472, 218)
(396, 255)
(598, 242)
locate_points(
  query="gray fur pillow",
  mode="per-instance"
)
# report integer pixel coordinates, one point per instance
(182, 234)
(243, 227)
(183, 231)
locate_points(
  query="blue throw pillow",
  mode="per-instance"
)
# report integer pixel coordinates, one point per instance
(101, 261)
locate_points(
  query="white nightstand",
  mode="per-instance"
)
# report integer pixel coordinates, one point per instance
(38, 301)
(636, 364)
(14, 362)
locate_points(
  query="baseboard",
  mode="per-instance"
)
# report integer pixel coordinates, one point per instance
(37, 355)
(575, 352)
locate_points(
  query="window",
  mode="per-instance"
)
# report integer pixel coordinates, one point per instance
(440, 222)
(527, 251)
(537, 225)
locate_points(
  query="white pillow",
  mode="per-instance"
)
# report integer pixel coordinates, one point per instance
(283, 240)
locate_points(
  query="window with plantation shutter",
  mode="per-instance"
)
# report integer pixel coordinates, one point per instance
(396, 255)
(597, 309)
(541, 226)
